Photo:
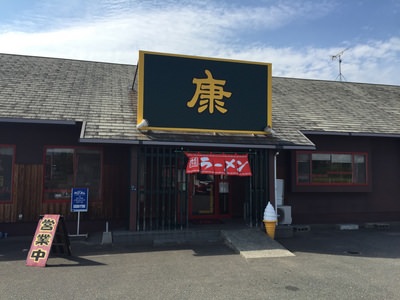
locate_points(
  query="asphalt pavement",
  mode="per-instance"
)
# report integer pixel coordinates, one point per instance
(327, 263)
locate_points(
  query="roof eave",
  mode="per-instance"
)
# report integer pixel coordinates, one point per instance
(195, 144)
(342, 133)
(37, 121)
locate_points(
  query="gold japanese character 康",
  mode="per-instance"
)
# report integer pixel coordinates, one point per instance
(209, 94)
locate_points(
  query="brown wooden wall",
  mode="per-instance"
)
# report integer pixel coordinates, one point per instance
(28, 194)
(30, 141)
(115, 192)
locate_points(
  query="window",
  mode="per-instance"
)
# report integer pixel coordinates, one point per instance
(67, 168)
(318, 168)
(6, 170)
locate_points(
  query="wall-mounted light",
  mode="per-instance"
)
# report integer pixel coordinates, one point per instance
(268, 129)
(143, 123)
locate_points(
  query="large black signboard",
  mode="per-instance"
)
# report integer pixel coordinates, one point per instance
(203, 94)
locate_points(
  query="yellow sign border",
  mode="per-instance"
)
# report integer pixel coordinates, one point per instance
(140, 103)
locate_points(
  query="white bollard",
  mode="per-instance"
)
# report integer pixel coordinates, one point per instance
(107, 236)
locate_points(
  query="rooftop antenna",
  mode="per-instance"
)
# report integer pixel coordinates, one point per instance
(339, 58)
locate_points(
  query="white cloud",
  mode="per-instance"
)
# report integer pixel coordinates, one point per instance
(116, 31)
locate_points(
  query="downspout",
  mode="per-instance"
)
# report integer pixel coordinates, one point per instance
(275, 181)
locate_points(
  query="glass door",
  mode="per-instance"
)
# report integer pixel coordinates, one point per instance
(209, 196)
(202, 195)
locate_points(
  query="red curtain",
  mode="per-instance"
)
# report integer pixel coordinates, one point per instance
(218, 164)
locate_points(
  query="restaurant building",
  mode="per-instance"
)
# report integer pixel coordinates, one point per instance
(180, 140)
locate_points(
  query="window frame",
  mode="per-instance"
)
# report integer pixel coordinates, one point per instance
(74, 163)
(333, 184)
(12, 173)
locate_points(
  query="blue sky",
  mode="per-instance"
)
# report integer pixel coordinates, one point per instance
(299, 37)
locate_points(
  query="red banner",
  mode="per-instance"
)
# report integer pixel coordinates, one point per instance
(193, 165)
(218, 164)
(243, 165)
(230, 166)
(206, 164)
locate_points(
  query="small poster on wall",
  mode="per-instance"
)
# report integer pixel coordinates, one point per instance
(79, 199)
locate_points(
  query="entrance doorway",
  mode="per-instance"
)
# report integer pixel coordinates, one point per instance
(209, 196)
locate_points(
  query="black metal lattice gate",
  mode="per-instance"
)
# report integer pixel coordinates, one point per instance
(162, 202)
(257, 188)
(162, 196)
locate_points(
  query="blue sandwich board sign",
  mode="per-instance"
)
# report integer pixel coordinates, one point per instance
(79, 199)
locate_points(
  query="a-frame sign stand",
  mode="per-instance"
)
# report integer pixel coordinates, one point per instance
(51, 236)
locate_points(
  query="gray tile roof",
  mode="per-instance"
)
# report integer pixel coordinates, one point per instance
(49, 89)
(100, 95)
(335, 107)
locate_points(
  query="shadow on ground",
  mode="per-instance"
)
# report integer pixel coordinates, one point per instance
(362, 243)
(17, 248)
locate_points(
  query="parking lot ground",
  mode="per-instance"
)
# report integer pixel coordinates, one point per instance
(327, 264)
